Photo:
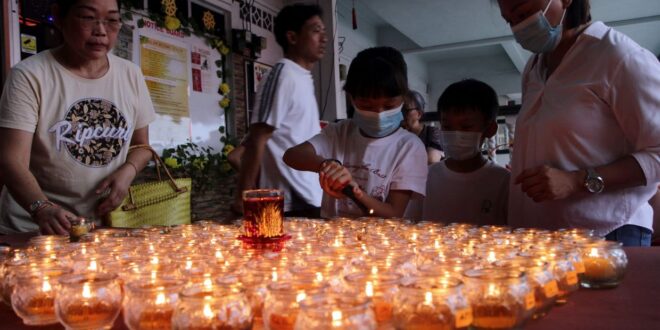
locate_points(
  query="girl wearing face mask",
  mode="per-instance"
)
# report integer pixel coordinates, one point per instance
(588, 135)
(369, 157)
(466, 186)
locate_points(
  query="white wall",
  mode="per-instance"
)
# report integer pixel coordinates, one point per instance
(496, 71)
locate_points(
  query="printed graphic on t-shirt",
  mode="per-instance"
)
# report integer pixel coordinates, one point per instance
(93, 132)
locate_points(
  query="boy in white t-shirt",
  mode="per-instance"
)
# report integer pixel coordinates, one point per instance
(384, 163)
(466, 186)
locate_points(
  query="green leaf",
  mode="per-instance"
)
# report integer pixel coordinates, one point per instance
(221, 129)
(140, 23)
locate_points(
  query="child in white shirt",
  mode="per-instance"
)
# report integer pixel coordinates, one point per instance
(384, 163)
(467, 186)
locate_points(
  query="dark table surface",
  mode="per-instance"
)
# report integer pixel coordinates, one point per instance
(635, 304)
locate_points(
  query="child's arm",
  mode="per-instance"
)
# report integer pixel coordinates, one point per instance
(303, 157)
(334, 177)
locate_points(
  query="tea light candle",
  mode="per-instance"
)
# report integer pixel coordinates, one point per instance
(33, 297)
(158, 316)
(597, 267)
(87, 310)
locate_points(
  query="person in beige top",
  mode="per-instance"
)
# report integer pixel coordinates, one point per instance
(67, 119)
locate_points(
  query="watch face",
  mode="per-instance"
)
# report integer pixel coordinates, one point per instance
(595, 185)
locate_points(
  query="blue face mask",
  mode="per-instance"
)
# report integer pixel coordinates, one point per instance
(378, 124)
(535, 33)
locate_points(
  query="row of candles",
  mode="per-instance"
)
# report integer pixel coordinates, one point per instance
(339, 274)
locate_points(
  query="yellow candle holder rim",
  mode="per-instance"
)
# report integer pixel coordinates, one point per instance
(327, 302)
(92, 278)
(383, 278)
(493, 273)
(146, 284)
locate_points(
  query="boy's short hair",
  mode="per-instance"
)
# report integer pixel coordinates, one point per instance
(292, 18)
(377, 72)
(470, 94)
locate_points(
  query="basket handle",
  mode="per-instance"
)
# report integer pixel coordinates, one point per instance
(159, 162)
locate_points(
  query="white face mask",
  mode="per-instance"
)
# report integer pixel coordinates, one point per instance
(460, 145)
(536, 34)
(378, 124)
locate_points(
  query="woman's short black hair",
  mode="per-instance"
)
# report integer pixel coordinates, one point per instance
(469, 95)
(65, 5)
(292, 18)
(377, 72)
(578, 13)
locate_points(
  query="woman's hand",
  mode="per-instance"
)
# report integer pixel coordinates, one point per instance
(544, 183)
(333, 177)
(54, 220)
(118, 184)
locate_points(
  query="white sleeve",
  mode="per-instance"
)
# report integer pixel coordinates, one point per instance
(410, 173)
(19, 105)
(273, 100)
(326, 142)
(635, 100)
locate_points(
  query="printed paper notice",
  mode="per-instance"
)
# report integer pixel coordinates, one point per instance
(165, 68)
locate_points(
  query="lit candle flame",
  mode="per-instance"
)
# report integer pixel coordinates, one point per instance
(371, 211)
(160, 298)
(593, 252)
(319, 277)
(208, 313)
(154, 260)
(374, 270)
(300, 297)
(46, 285)
(428, 298)
(493, 290)
(491, 257)
(92, 266)
(369, 289)
(414, 236)
(207, 283)
(336, 318)
(86, 292)
(218, 254)
(189, 264)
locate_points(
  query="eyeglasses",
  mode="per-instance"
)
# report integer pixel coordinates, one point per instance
(89, 22)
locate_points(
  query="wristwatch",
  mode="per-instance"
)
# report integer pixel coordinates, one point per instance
(594, 182)
(36, 205)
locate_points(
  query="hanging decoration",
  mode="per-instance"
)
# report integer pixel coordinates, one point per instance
(209, 20)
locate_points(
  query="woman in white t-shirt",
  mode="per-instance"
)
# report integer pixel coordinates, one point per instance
(382, 164)
(67, 118)
(587, 145)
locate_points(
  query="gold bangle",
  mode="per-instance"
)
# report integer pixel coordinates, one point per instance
(133, 165)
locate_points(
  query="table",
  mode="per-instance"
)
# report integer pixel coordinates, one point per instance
(635, 304)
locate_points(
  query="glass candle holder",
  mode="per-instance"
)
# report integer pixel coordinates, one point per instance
(224, 308)
(33, 297)
(88, 301)
(605, 264)
(381, 288)
(432, 303)
(500, 298)
(263, 213)
(79, 228)
(540, 279)
(282, 305)
(150, 303)
(335, 311)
